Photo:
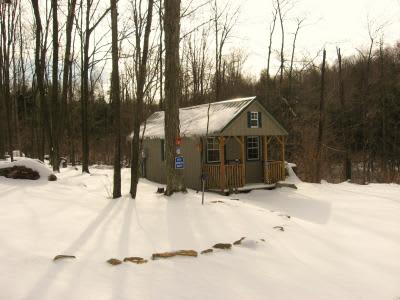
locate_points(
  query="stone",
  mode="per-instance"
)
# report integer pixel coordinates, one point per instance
(62, 256)
(136, 260)
(191, 253)
(286, 184)
(238, 242)
(114, 261)
(279, 228)
(19, 172)
(52, 177)
(207, 251)
(225, 246)
(160, 190)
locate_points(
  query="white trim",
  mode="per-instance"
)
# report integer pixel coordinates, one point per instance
(252, 114)
(258, 148)
(213, 149)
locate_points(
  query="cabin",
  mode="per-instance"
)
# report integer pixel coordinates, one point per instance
(244, 146)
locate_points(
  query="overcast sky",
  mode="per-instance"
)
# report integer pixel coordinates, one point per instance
(329, 23)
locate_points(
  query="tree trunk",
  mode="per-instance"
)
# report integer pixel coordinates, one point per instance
(173, 94)
(282, 66)
(161, 103)
(346, 161)
(115, 98)
(5, 23)
(140, 82)
(85, 93)
(217, 57)
(321, 122)
(2, 103)
(40, 55)
(55, 157)
(66, 72)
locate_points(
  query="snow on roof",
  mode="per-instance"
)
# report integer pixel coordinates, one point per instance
(193, 120)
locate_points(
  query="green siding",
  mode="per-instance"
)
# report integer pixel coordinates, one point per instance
(239, 126)
(155, 167)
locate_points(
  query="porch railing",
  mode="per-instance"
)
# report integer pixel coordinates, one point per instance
(213, 176)
(273, 171)
(234, 177)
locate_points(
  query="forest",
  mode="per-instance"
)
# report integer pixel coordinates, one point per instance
(77, 77)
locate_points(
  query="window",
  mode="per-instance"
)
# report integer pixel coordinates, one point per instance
(162, 150)
(253, 148)
(212, 150)
(254, 119)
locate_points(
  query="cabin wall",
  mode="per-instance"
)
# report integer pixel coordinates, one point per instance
(155, 167)
(238, 127)
(191, 151)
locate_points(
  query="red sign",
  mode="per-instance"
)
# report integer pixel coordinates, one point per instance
(178, 141)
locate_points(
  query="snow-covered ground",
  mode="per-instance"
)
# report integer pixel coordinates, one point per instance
(341, 242)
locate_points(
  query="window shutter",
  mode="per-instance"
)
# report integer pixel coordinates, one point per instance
(248, 119)
(259, 120)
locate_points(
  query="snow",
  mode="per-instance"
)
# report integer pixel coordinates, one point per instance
(193, 120)
(30, 163)
(341, 241)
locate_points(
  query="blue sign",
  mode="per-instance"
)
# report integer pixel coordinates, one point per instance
(179, 162)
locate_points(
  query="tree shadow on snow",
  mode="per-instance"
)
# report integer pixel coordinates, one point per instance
(43, 284)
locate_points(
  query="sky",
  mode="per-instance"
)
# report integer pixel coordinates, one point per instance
(329, 23)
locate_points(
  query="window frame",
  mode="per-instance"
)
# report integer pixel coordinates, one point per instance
(254, 116)
(215, 147)
(258, 147)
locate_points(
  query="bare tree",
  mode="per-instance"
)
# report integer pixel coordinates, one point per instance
(224, 22)
(321, 122)
(299, 23)
(67, 69)
(85, 92)
(7, 34)
(141, 76)
(115, 98)
(40, 69)
(281, 20)
(270, 38)
(346, 161)
(55, 155)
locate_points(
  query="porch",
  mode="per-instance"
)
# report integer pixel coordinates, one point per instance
(230, 174)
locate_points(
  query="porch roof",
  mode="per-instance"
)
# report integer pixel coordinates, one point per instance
(193, 120)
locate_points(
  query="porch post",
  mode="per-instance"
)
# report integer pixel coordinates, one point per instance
(243, 158)
(222, 162)
(265, 157)
(283, 157)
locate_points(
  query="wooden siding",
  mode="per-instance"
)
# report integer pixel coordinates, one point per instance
(155, 168)
(238, 127)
